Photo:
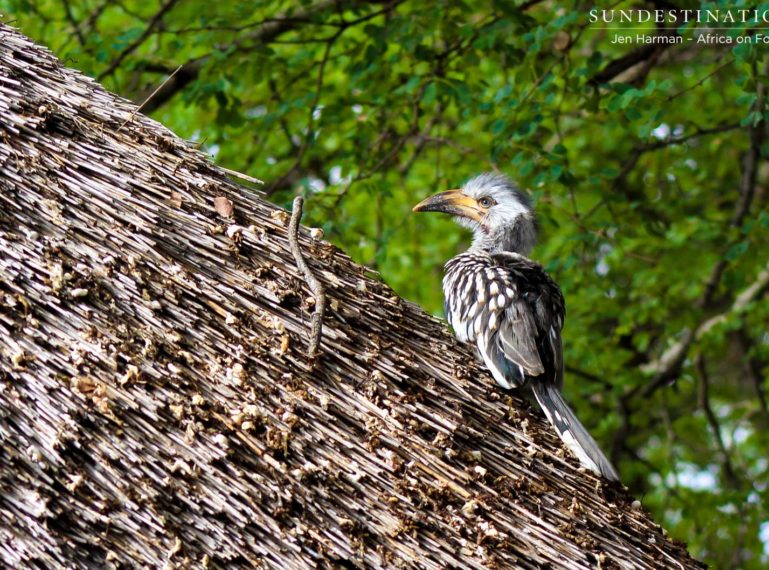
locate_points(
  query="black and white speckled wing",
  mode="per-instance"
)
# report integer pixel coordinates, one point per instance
(542, 300)
(494, 302)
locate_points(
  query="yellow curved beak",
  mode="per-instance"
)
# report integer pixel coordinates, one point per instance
(452, 202)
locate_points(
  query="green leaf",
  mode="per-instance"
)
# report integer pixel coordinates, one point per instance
(737, 250)
(430, 93)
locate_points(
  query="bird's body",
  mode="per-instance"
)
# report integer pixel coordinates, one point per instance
(508, 306)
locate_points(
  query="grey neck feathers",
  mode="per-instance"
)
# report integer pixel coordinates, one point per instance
(520, 236)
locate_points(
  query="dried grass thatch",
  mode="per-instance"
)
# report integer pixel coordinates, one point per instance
(157, 407)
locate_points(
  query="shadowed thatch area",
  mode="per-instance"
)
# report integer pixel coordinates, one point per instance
(157, 407)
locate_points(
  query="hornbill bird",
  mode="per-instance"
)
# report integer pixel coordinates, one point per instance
(505, 303)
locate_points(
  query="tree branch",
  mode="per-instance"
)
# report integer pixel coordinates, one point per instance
(264, 34)
(640, 150)
(704, 402)
(668, 365)
(618, 184)
(164, 9)
(311, 117)
(753, 370)
(315, 286)
(149, 98)
(617, 66)
(702, 80)
(72, 22)
(747, 189)
(589, 376)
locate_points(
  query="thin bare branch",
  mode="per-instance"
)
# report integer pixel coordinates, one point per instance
(753, 370)
(315, 286)
(618, 184)
(266, 33)
(86, 26)
(589, 376)
(724, 65)
(242, 176)
(704, 402)
(129, 49)
(667, 366)
(313, 109)
(149, 97)
(71, 19)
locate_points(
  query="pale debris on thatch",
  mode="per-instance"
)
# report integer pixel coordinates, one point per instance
(157, 406)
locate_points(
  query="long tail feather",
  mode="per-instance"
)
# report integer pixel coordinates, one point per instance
(571, 431)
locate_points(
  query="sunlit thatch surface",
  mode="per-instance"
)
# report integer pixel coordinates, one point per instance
(157, 407)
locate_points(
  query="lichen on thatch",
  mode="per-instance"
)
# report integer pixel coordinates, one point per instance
(157, 407)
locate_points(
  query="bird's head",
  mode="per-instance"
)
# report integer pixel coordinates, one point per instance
(494, 208)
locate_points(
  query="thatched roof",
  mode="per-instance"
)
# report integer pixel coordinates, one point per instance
(157, 406)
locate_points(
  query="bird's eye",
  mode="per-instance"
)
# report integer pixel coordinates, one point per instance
(486, 202)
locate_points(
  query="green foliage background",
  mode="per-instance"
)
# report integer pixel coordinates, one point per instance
(647, 165)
